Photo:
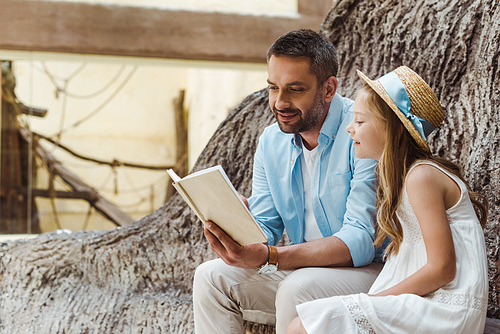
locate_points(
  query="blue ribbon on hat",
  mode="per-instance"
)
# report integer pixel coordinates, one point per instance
(397, 92)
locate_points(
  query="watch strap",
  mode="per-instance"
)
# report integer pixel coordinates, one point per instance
(272, 255)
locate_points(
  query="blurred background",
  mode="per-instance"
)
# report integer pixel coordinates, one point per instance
(90, 123)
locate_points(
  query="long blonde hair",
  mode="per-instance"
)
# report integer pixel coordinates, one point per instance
(400, 152)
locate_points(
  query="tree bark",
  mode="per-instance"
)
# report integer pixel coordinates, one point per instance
(137, 278)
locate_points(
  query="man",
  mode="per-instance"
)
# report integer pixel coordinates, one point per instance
(307, 180)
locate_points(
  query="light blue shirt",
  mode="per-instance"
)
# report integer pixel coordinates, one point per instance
(342, 186)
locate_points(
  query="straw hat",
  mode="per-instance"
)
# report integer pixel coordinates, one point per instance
(422, 102)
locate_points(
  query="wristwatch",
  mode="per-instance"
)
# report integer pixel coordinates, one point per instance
(272, 261)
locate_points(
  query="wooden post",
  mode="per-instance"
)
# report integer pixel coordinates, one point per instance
(181, 131)
(18, 212)
(1, 113)
(13, 204)
(1, 155)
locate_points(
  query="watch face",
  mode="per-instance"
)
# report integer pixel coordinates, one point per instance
(268, 269)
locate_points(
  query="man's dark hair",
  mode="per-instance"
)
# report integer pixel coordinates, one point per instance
(310, 44)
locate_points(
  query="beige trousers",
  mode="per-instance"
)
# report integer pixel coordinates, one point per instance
(223, 295)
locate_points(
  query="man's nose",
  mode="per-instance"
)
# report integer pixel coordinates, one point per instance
(282, 101)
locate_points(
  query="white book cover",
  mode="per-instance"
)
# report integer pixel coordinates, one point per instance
(212, 196)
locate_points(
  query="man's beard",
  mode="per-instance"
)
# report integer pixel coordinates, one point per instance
(313, 117)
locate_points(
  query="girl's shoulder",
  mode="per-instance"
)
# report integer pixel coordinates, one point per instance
(423, 174)
(423, 169)
(429, 180)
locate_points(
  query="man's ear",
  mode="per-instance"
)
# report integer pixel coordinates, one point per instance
(329, 88)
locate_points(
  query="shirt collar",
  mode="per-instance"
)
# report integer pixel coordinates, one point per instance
(331, 124)
(333, 118)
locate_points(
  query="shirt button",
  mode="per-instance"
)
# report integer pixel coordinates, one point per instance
(333, 136)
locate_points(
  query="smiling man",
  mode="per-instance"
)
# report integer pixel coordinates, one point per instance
(298, 105)
(307, 181)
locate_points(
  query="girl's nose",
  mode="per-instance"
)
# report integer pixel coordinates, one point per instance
(349, 128)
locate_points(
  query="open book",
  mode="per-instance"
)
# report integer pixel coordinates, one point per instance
(212, 197)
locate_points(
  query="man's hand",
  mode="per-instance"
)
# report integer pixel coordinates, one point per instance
(245, 201)
(233, 254)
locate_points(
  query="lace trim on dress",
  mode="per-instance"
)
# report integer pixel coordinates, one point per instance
(358, 315)
(468, 301)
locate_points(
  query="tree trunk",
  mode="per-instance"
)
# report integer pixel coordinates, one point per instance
(137, 278)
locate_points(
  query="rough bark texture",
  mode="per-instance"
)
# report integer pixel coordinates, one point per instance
(137, 279)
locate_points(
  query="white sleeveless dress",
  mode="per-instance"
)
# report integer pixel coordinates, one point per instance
(458, 307)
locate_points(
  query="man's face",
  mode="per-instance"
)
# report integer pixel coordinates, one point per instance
(295, 97)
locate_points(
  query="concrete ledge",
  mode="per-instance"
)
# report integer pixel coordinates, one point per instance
(492, 326)
(9, 237)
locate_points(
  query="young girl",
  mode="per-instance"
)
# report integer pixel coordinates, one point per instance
(435, 278)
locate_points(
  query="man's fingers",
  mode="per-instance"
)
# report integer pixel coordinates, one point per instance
(233, 254)
(216, 246)
(213, 241)
(244, 199)
(214, 229)
(226, 241)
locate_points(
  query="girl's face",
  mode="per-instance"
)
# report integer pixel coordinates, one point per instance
(367, 131)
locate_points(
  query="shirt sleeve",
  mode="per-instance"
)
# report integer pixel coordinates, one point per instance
(261, 202)
(358, 230)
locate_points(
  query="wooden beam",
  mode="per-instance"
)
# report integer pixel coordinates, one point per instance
(102, 205)
(89, 196)
(89, 28)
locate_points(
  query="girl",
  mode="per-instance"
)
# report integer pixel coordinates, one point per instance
(435, 277)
